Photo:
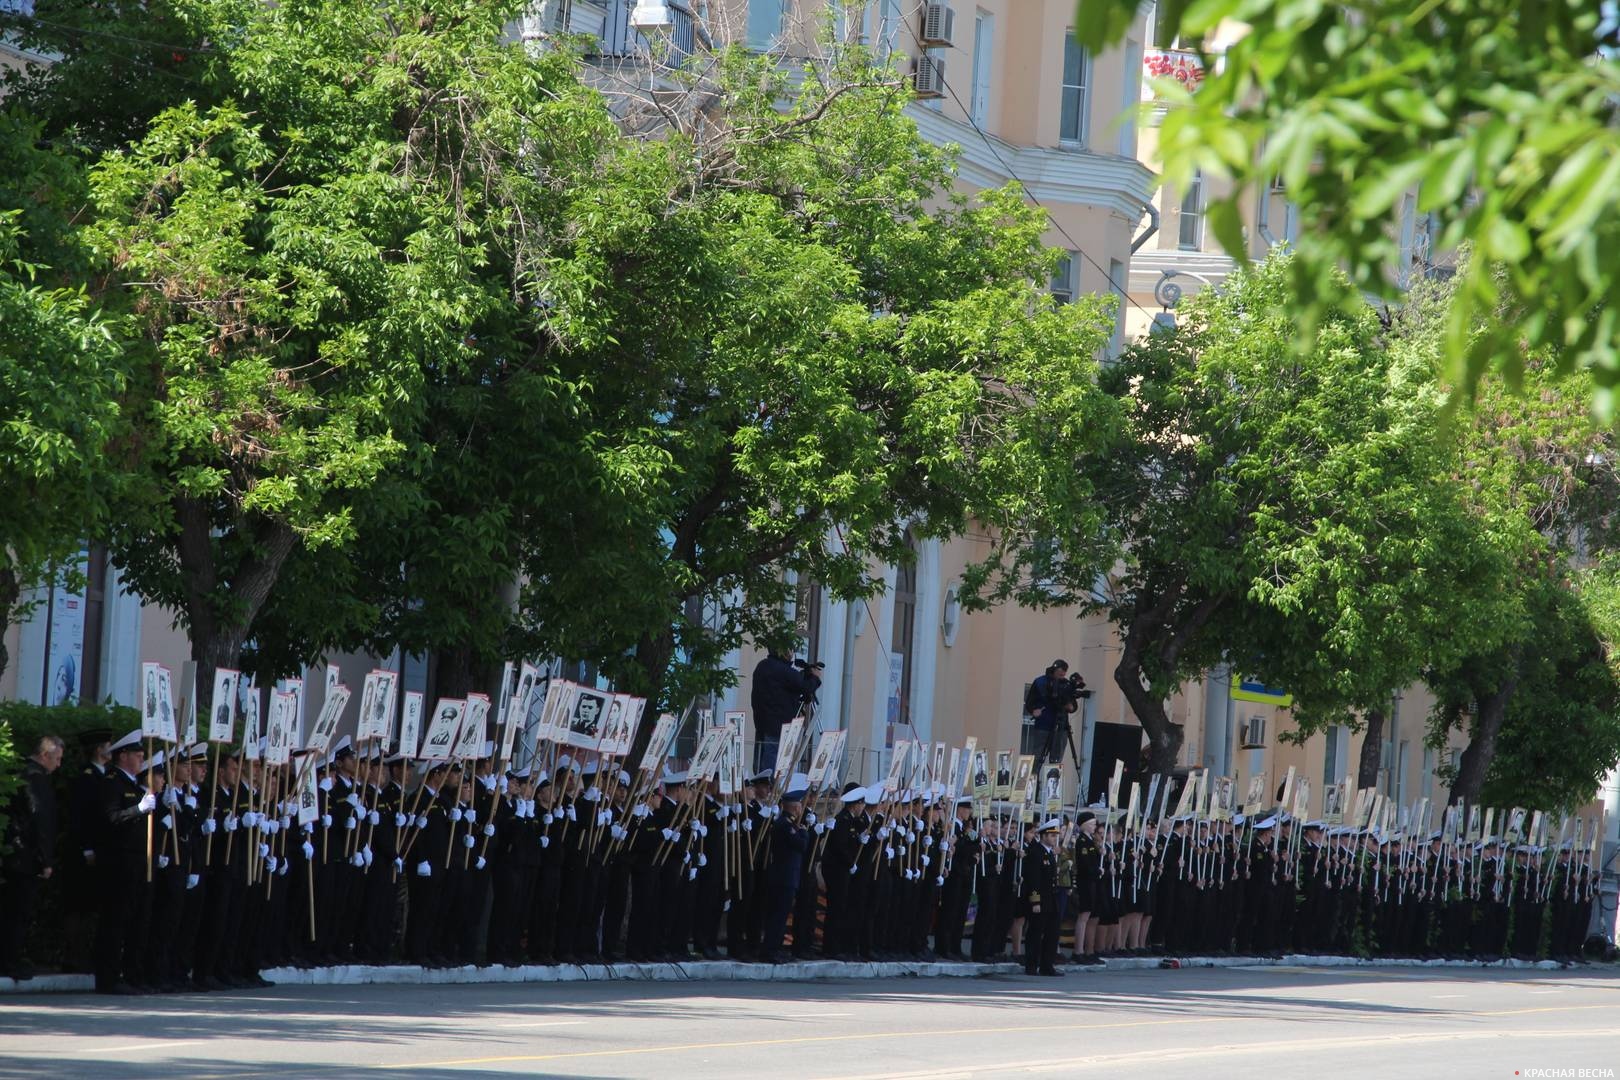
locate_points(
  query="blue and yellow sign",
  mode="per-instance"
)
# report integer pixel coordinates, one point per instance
(1259, 692)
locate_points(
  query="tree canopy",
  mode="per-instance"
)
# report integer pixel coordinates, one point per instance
(1500, 117)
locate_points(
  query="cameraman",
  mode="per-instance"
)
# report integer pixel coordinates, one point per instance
(780, 687)
(1052, 697)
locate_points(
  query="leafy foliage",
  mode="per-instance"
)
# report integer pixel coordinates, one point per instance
(1500, 115)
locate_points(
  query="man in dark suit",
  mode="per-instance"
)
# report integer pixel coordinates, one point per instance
(31, 836)
(779, 689)
(1041, 901)
(124, 894)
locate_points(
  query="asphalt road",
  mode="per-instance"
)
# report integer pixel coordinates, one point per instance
(1295, 1023)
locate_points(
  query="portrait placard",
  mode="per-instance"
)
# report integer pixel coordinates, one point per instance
(1223, 795)
(309, 803)
(980, 774)
(953, 775)
(320, 736)
(663, 734)
(443, 730)
(1302, 798)
(1052, 785)
(247, 700)
(410, 723)
(149, 700)
(278, 737)
(826, 747)
(474, 728)
(585, 717)
(222, 707)
(1255, 799)
(1004, 776)
(167, 730)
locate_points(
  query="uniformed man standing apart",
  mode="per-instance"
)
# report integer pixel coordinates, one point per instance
(31, 838)
(1040, 895)
(125, 899)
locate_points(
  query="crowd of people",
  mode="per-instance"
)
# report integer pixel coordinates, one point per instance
(208, 868)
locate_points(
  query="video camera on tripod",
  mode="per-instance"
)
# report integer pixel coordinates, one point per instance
(1052, 699)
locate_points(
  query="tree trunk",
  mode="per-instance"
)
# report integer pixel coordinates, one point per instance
(1372, 749)
(1164, 738)
(1476, 757)
(453, 672)
(10, 589)
(653, 654)
(216, 640)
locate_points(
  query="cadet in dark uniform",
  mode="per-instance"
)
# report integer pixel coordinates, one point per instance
(790, 841)
(1040, 895)
(125, 897)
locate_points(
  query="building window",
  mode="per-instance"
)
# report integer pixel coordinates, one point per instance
(1076, 100)
(765, 19)
(903, 633)
(1064, 279)
(984, 39)
(1192, 214)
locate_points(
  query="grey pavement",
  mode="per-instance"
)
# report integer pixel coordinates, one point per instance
(1304, 1023)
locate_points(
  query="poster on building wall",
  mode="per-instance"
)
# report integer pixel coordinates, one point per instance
(897, 678)
(64, 664)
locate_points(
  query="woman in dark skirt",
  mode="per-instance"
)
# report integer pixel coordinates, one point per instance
(1087, 872)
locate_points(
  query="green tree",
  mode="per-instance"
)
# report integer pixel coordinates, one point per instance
(1247, 484)
(1403, 573)
(794, 343)
(1500, 115)
(61, 378)
(302, 256)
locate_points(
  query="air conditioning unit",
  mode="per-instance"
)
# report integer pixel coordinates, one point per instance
(1254, 733)
(929, 76)
(937, 25)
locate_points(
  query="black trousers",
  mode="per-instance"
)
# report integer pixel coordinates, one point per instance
(19, 896)
(1041, 939)
(124, 912)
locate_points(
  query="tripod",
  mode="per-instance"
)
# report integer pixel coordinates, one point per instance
(1061, 732)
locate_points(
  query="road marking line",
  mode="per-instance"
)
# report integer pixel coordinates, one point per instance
(796, 1041)
(538, 1024)
(140, 1046)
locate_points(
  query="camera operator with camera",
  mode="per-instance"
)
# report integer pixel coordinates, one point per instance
(780, 687)
(1052, 698)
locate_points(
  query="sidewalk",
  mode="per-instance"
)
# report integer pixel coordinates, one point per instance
(737, 971)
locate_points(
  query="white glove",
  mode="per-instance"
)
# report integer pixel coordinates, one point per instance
(399, 865)
(888, 852)
(309, 828)
(479, 865)
(467, 841)
(570, 813)
(167, 821)
(264, 851)
(353, 799)
(373, 818)
(703, 860)
(455, 815)
(357, 860)
(230, 822)
(270, 864)
(926, 860)
(618, 833)
(641, 810)
(163, 862)
(148, 803)
(192, 881)
(424, 869)
(326, 821)
(326, 783)
(852, 869)
(470, 815)
(865, 838)
(283, 866)
(940, 880)
(748, 824)
(548, 818)
(670, 835)
(249, 820)
(208, 827)
(309, 851)
(503, 785)
(171, 797)
(489, 830)
(191, 802)
(270, 826)
(352, 822)
(421, 821)
(591, 794)
(286, 823)
(604, 816)
(400, 820)
(545, 841)
(366, 851)
(691, 875)
(723, 813)
(928, 841)
(883, 833)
